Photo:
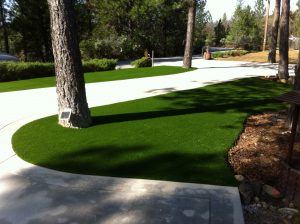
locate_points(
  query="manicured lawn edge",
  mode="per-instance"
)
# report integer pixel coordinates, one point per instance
(93, 77)
(182, 136)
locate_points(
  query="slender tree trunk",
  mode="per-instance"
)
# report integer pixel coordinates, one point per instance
(4, 27)
(188, 52)
(90, 17)
(297, 74)
(70, 86)
(296, 87)
(274, 37)
(266, 25)
(283, 72)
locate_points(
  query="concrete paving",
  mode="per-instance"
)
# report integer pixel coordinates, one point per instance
(30, 194)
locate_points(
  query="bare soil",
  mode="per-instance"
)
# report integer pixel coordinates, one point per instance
(262, 56)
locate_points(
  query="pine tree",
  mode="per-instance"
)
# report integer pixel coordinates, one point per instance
(283, 70)
(274, 34)
(70, 86)
(188, 52)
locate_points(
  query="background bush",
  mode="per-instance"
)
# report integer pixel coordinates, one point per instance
(11, 71)
(142, 62)
(97, 65)
(224, 54)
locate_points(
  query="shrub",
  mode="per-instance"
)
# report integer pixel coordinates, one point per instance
(12, 71)
(142, 62)
(96, 65)
(223, 54)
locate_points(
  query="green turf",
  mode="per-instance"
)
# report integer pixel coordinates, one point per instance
(94, 77)
(182, 136)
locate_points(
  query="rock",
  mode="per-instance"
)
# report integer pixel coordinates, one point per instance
(239, 178)
(258, 205)
(290, 211)
(256, 199)
(271, 191)
(264, 204)
(291, 205)
(256, 187)
(246, 192)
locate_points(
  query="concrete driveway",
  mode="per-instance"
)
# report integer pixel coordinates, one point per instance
(31, 194)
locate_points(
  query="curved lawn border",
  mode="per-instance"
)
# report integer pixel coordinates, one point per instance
(182, 136)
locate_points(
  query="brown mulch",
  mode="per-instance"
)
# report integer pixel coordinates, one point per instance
(261, 146)
(257, 156)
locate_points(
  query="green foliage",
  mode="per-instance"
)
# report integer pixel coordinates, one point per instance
(111, 46)
(10, 71)
(295, 20)
(164, 137)
(97, 65)
(30, 28)
(106, 29)
(220, 33)
(142, 62)
(259, 9)
(245, 31)
(224, 54)
(137, 22)
(203, 18)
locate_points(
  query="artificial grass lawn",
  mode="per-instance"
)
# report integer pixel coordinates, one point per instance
(181, 136)
(94, 77)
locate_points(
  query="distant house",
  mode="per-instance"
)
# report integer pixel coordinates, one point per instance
(7, 57)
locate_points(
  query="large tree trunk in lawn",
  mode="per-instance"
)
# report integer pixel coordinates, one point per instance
(188, 52)
(283, 72)
(70, 86)
(274, 37)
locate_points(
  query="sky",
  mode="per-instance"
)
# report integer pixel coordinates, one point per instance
(218, 7)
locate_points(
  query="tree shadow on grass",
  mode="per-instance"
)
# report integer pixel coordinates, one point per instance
(248, 96)
(201, 167)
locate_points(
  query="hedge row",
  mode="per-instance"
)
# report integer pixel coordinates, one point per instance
(224, 54)
(11, 71)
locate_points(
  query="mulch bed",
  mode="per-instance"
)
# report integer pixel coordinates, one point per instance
(257, 155)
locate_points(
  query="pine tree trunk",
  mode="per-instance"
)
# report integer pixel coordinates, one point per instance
(266, 25)
(274, 37)
(188, 52)
(70, 86)
(296, 87)
(283, 72)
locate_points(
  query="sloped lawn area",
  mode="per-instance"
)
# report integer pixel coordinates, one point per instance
(182, 136)
(92, 77)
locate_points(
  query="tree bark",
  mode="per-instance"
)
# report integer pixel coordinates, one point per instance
(70, 86)
(188, 52)
(274, 37)
(295, 87)
(3, 21)
(266, 25)
(283, 72)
